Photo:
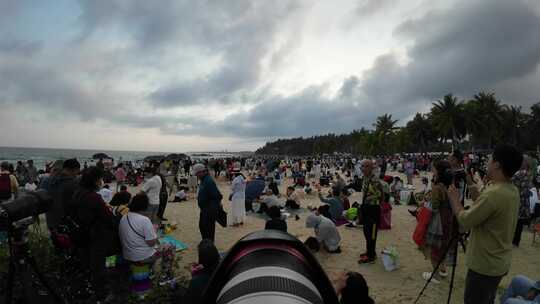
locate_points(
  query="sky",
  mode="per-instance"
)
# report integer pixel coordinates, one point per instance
(182, 75)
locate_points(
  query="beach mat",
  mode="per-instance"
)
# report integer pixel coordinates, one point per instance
(179, 245)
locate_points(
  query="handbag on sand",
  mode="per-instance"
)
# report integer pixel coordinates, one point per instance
(221, 218)
(423, 217)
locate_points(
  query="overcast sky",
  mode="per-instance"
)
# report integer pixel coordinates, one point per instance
(215, 75)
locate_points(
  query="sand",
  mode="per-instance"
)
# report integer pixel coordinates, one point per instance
(400, 286)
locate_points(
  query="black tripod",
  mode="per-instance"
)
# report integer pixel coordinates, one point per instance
(22, 263)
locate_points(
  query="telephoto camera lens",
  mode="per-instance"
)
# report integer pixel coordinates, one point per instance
(270, 266)
(28, 204)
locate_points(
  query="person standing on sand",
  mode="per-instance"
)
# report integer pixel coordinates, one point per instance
(372, 195)
(238, 199)
(152, 188)
(492, 219)
(209, 201)
(120, 175)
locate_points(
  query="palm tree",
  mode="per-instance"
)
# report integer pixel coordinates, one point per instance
(513, 121)
(384, 129)
(447, 116)
(489, 114)
(420, 130)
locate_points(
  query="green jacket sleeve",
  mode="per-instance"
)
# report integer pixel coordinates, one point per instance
(478, 213)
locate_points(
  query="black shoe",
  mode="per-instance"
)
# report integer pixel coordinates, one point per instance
(413, 212)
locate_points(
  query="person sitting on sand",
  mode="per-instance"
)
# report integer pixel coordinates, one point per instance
(121, 198)
(137, 234)
(522, 290)
(335, 203)
(269, 200)
(293, 201)
(202, 272)
(326, 232)
(353, 288)
(275, 222)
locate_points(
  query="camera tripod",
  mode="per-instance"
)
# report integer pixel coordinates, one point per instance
(23, 264)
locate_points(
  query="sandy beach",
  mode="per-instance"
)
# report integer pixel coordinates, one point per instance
(400, 286)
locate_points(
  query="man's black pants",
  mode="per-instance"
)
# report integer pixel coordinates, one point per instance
(480, 289)
(161, 208)
(207, 224)
(371, 215)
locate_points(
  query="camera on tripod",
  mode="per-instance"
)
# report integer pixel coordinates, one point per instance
(18, 213)
(15, 218)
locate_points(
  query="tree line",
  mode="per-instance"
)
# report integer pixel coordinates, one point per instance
(478, 123)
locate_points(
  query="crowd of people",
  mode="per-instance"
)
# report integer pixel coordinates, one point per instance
(119, 222)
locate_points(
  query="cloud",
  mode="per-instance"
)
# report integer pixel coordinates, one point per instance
(461, 50)
(370, 7)
(168, 67)
(240, 33)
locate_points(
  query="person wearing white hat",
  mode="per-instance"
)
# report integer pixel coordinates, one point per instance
(209, 201)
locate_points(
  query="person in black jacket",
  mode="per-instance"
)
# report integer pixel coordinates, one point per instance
(275, 222)
(209, 201)
(97, 227)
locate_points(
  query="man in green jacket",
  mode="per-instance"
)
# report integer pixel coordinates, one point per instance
(492, 220)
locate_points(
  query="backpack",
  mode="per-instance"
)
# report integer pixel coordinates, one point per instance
(5, 187)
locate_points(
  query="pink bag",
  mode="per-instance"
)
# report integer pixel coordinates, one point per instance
(386, 216)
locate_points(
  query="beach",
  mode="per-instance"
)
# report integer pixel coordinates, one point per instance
(399, 286)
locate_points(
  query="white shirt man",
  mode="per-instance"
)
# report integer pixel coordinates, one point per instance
(152, 187)
(134, 237)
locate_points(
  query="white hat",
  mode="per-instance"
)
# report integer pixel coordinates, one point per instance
(197, 168)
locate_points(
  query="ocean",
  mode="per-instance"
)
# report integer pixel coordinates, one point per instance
(41, 156)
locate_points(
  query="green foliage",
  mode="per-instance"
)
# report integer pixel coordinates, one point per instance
(51, 264)
(479, 123)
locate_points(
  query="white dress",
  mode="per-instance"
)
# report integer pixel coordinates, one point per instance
(238, 202)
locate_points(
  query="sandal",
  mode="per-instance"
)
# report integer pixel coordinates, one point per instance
(427, 275)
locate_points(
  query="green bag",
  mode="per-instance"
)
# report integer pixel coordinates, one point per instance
(351, 214)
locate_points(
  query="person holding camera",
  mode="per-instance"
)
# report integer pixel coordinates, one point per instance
(439, 232)
(492, 220)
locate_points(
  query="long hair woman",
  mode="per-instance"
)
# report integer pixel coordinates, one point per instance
(97, 225)
(439, 230)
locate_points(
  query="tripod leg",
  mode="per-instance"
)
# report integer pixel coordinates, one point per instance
(43, 280)
(453, 275)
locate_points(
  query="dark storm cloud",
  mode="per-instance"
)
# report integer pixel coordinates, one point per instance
(240, 33)
(473, 46)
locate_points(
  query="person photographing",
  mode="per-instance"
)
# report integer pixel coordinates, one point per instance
(492, 220)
